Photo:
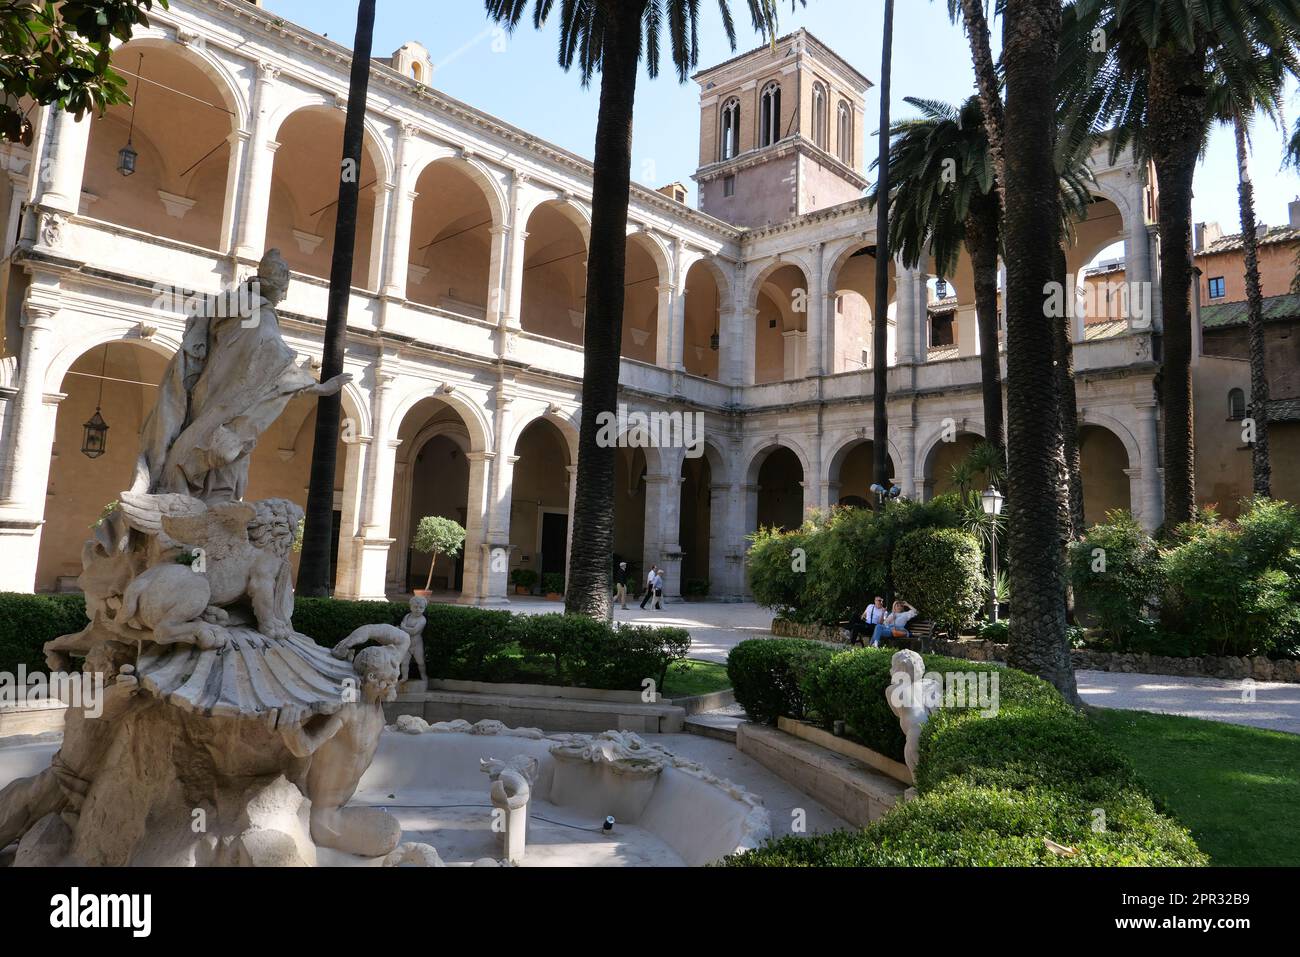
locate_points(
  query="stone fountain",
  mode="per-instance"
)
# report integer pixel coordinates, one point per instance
(209, 732)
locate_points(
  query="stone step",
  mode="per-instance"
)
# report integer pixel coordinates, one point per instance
(712, 724)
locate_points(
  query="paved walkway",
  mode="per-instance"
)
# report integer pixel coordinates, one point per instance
(716, 628)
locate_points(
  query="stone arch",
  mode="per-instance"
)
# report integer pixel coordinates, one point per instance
(453, 219)
(161, 343)
(775, 505)
(470, 412)
(1105, 464)
(934, 458)
(780, 321)
(648, 276)
(760, 452)
(474, 169)
(554, 288)
(840, 454)
(375, 142)
(567, 422)
(707, 289)
(222, 75)
(850, 304)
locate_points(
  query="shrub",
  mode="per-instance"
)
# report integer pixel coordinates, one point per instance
(940, 572)
(524, 578)
(1235, 588)
(999, 790)
(778, 574)
(996, 631)
(553, 583)
(327, 621)
(27, 622)
(1118, 593)
(768, 675)
(436, 535)
(695, 588)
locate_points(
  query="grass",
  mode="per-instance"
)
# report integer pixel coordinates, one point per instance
(692, 677)
(1236, 788)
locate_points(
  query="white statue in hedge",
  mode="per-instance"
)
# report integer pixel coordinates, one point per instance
(911, 696)
(413, 624)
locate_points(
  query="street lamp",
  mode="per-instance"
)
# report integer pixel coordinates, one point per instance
(992, 500)
(886, 494)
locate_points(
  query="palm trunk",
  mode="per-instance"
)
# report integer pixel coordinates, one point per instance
(982, 226)
(588, 591)
(1261, 471)
(1175, 128)
(318, 527)
(986, 81)
(1063, 355)
(1031, 30)
(879, 326)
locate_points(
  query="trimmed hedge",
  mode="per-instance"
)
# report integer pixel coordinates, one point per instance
(460, 642)
(769, 675)
(992, 791)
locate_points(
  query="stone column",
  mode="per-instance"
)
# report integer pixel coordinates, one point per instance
(748, 359)
(1138, 258)
(62, 161)
(905, 466)
(819, 317)
(239, 155)
(663, 505)
(25, 469)
(347, 580)
(796, 349)
(1151, 510)
(724, 563)
(479, 558)
(385, 196)
(512, 271)
(374, 539)
(255, 190)
(665, 318)
(397, 252)
(909, 323)
(497, 577)
(572, 481)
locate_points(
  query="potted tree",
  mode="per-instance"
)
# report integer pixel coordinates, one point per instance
(436, 535)
(523, 579)
(553, 586)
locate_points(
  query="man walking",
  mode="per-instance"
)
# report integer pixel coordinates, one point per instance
(620, 584)
(649, 586)
(659, 590)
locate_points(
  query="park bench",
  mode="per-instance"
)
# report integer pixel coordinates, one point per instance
(922, 633)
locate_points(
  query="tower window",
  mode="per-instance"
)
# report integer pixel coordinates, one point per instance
(769, 125)
(729, 186)
(729, 141)
(819, 116)
(844, 133)
(1236, 405)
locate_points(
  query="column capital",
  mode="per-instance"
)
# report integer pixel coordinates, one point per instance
(267, 71)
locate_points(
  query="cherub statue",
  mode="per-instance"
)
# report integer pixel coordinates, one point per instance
(912, 696)
(237, 550)
(413, 624)
(342, 745)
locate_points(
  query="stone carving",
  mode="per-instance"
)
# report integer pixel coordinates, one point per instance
(912, 696)
(510, 792)
(52, 229)
(413, 624)
(214, 709)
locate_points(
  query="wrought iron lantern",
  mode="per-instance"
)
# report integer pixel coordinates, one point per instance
(94, 434)
(127, 155)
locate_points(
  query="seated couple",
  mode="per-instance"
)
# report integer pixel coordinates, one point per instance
(880, 623)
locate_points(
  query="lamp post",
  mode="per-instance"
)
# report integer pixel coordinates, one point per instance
(884, 495)
(992, 500)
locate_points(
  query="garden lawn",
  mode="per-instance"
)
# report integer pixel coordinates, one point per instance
(685, 678)
(1236, 788)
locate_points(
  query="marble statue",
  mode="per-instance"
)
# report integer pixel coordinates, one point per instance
(342, 745)
(912, 696)
(226, 737)
(413, 624)
(511, 791)
(231, 379)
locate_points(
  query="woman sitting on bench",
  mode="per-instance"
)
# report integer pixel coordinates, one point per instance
(895, 624)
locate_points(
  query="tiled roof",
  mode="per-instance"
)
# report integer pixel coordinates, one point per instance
(1104, 329)
(940, 353)
(1226, 244)
(1284, 410)
(1221, 315)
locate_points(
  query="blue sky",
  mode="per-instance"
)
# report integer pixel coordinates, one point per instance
(519, 81)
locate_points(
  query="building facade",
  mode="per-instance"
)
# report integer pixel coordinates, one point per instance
(465, 320)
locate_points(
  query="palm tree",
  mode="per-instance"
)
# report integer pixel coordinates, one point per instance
(1147, 69)
(318, 527)
(942, 195)
(986, 79)
(1031, 33)
(609, 37)
(880, 327)
(1236, 106)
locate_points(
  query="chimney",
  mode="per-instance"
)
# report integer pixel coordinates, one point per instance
(1294, 210)
(1204, 235)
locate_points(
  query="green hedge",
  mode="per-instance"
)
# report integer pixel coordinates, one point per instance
(769, 675)
(460, 642)
(940, 572)
(27, 622)
(992, 790)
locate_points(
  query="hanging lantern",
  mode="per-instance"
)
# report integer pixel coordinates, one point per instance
(127, 155)
(126, 159)
(94, 435)
(714, 341)
(94, 441)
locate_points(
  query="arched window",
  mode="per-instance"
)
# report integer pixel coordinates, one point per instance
(416, 73)
(769, 123)
(844, 133)
(729, 139)
(1236, 405)
(819, 115)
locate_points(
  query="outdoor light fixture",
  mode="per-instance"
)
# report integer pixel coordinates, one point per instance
(714, 341)
(94, 438)
(941, 289)
(608, 825)
(127, 155)
(992, 501)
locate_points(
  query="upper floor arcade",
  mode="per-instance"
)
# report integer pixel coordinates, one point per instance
(472, 234)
